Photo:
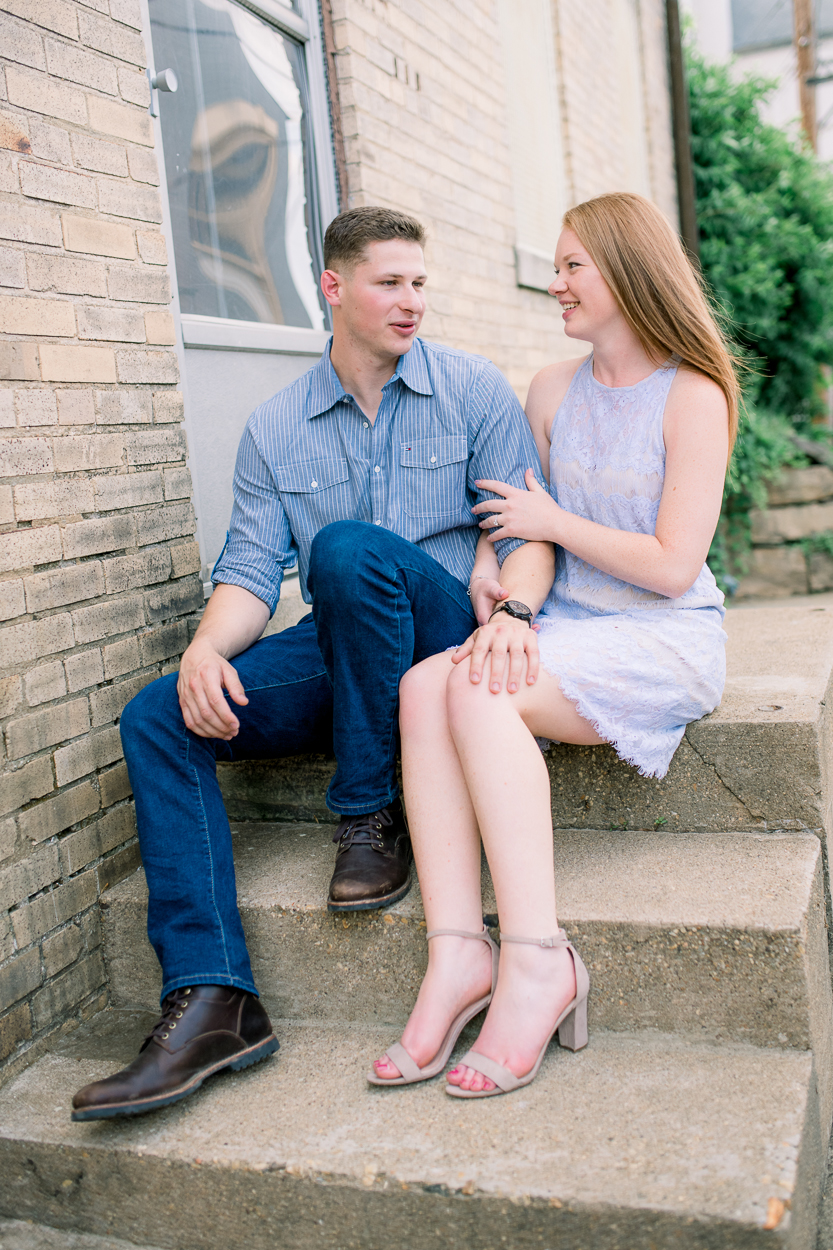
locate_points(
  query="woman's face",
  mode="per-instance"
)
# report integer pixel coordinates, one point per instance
(587, 302)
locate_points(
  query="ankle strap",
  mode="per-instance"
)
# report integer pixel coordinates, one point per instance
(482, 935)
(560, 939)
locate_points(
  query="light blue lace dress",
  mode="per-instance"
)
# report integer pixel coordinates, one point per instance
(638, 666)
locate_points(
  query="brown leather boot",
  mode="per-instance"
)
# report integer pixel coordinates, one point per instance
(202, 1030)
(373, 861)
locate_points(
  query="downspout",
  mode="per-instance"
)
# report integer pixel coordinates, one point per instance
(681, 123)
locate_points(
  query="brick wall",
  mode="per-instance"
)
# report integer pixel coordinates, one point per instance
(97, 578)
(424, 110)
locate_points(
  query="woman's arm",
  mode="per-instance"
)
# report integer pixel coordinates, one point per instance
(696, 432)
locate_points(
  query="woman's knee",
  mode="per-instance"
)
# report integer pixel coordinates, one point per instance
(422, 693)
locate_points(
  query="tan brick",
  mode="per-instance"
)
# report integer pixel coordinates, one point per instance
(20, 43)
(159, 326)
(8, 181)
(136, 572)
(177, 483)
(15, 1029)
(143, 164)
(67, 274)
(120, 658)
(139, 285)
(25, 455)
(14, 132)
(114, 785)
(107, 36)
(19, 977)
(36, 407)
(99, 155)
(185, 559)
(159, 524)
(93, 751)
(52, 816)
(62, 949)
(27, 548)
(46, 728)
(20, 881)
(122, 121)
(12, 599)
(75, 408)
(121, 198)
(70, 989)
(6, 505)
(110, 830)
(41, 94)
(105, 620)
(8, 418)
(84, 669)
(67, 585)
(108, 703)
(8, 846)
(146, 366)
(57, 15)
(174, 599)
(44, 914)
(121, 325)
(19, 362)
(6, 943)
(40, 501)
(66, 60)
(88, 451)
(77, 364)
(22, 644)
(128, 490)
(99, 238)
(42, 182)
(123, 407)
(29, 782)
(152, 247)
(22, 315)
(163, 642)
(155, 446)
(114, 868)
(45, 683)
(136, 89)
(24, 223)
(11, 693)
(87, 538)
(168, 407)
(127, 11)
(50, 143)
(12, 267)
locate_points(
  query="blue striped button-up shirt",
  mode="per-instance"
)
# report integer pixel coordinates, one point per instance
(310, 456)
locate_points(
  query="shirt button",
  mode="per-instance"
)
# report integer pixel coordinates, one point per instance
(313, 484)
(433, 459)
(377, 469)
(378, 522)
(367, 425)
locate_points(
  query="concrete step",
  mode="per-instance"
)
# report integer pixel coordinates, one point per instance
(26, 1235)
(762, 760)
(713, 936)
(636, 1142)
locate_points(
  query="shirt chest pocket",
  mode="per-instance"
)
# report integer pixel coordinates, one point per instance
(314, 493)
(434, 476)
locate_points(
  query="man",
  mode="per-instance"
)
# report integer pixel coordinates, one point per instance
(363, 471)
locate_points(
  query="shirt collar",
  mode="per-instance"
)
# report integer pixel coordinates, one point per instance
(326, 390)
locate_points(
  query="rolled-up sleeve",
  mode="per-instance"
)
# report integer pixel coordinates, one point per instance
(503, 446)
(259, 548)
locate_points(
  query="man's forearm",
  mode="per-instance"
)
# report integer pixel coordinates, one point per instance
(528, 573)
(234, 619)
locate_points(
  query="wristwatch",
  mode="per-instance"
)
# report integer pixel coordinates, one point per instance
(515, 608)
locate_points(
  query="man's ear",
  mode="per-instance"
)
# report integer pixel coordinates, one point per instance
(331, 284)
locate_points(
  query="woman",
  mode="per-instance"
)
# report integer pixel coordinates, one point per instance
(635, 438)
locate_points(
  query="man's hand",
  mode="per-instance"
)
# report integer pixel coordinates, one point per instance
(486, 594)
(506, 636)
(203, 674)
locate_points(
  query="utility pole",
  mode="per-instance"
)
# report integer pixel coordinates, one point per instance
(805, 55)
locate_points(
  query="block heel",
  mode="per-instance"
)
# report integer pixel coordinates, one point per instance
(572, 1032)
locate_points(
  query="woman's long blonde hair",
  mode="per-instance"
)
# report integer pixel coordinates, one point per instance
(642, 260)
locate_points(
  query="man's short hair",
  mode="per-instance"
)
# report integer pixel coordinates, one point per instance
(348, 235)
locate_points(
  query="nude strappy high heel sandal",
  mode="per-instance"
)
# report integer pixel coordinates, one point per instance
(571, 1027)
(397, 1053)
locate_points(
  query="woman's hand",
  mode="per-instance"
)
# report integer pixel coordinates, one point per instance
(506, 636)
(531, 514)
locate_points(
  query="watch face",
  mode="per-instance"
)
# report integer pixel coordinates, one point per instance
(516, 606)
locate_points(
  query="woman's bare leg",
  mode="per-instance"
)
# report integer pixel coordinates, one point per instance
(508, 781)
(446, 844)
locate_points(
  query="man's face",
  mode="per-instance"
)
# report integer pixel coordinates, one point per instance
(381, 301)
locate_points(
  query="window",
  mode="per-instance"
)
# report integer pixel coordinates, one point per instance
(240, 165)
(757, 25)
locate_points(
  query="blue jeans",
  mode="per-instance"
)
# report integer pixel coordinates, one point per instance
(331, 682)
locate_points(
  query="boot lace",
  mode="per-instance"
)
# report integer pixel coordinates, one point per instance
(173, 1007)
(363, 830)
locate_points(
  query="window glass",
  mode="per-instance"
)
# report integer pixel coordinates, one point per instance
(238, 163)
(768, 23)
